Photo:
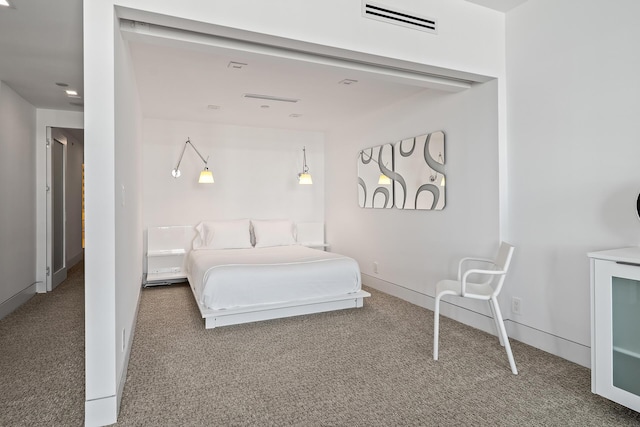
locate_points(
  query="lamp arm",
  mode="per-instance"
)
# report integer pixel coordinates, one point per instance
(194, 147)
(305, 168)
(181, 155)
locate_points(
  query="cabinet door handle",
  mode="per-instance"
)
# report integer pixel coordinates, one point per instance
(628, 263)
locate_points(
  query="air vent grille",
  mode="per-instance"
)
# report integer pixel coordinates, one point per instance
(269, 97)
(384, 13)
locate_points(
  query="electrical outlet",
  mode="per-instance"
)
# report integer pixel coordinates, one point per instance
(516, 305)
(375, 267)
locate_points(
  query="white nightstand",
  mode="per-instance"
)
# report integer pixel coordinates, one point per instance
(166, 250)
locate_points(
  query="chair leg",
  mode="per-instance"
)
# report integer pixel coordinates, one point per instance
(436, 326)
(503, 331)
(495, 320)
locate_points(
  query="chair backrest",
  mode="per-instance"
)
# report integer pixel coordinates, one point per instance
(502, 262)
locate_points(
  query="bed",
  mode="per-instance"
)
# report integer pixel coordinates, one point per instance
(245, 271)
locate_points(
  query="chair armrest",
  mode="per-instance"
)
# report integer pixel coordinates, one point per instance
(463, 282)
(463, 260)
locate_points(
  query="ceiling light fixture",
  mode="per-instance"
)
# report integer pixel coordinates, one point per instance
(269, 97)
(213, 107)
(347, 82)
(71, 92)
(236, 65)
(5, 3)
(61, 84)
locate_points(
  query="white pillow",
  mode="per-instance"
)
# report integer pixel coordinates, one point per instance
(223, 235)
(273, 233)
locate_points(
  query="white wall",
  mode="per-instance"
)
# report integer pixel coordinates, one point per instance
(255, 172)
(101, 403)
(113, 201)
(47, 118)
(574, 154)
(17, 200)
(128, 207)
(415, 249)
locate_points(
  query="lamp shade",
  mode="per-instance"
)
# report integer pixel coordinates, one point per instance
(305, 178)
(206, 177)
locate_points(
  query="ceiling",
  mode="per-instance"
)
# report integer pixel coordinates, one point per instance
(206, 86)
(41, 45)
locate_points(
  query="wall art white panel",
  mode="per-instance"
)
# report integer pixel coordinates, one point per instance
(374, 192)
(419, 178)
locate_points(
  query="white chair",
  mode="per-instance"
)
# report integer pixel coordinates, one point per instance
(487, 290)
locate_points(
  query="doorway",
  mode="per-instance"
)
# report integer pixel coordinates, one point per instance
(65, 207)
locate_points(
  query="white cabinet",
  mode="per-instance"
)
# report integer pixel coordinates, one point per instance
(166, 250)
(615, 325)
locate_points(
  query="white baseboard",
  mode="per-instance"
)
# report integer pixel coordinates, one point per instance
(561, 347)
(17, 300)
(558, 346)
(101, 412)
(127, 354)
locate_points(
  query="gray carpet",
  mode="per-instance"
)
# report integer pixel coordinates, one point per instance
(364, 367)
(42, 358)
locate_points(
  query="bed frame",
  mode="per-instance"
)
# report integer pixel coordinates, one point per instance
(256, 313)
(174, 239)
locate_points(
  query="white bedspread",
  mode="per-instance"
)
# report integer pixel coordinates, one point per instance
(231, 278)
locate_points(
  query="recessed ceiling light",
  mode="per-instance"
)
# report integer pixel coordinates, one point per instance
(71, 92)
(347, 82)
(269, 97)
(62, 84)
(77, 104)
(236, 65)
(295, 116)
(264, 106)
(213, 107)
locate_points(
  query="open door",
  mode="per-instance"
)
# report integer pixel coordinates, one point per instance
(56, 210)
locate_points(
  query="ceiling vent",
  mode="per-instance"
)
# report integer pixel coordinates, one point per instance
(383, 13)
(269, 97)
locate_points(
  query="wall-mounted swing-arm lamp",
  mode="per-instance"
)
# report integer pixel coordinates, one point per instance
(304, 177)
(206, 177)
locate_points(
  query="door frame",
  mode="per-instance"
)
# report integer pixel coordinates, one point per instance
(54, 278)
(44, 120)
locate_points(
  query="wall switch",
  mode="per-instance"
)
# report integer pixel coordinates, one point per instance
(516, 305)
(375, 267)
